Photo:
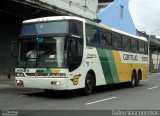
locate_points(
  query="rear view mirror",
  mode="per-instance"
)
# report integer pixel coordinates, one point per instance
(14, 48)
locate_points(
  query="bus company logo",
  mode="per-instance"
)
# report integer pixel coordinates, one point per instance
(75, 79)
(91, 55)
(130, 57)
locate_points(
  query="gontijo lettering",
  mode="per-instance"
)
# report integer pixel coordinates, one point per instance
(130, 57)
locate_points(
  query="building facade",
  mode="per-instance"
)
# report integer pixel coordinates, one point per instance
(117, 15)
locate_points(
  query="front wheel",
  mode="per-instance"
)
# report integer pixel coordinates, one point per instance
(89, 84)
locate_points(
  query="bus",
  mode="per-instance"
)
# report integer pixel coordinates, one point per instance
(76, 53)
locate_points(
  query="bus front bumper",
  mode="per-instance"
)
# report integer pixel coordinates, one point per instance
(42, 83)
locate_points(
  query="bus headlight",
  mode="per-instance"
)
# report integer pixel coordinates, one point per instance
(19, 83)
(20, 75)
(55, 83)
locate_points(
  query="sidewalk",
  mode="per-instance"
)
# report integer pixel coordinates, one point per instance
(6, 82)
(154, 74)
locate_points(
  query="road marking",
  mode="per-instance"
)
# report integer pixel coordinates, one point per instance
(153, 87)
(22, 96)
(100, 100)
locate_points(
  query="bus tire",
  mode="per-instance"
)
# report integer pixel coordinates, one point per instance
(133, 80)
(89, 84)
(138, 79)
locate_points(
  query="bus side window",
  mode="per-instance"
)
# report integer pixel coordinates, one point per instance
(146, 48)
(126, 43)
(103, 38)
(109, 39)
(117, 41)
(95, 39)
(134, 45)
(141, 46)
(73, 47)
(75, 53)
(88, 34)
(114, 41)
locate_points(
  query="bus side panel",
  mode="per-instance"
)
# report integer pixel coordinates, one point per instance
(124, 70)
(145, 71)
(93, 63)
(108, 65)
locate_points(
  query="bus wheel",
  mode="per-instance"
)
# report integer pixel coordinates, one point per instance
(89, 84)
(137, 79)
(133, 81)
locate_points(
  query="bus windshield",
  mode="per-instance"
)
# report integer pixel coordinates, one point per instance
(42, 52)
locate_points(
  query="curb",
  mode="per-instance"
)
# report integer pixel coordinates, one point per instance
(154, 74)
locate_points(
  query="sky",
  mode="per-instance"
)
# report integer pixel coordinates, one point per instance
(146, 15)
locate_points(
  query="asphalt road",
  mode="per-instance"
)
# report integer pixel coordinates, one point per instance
(144, 97)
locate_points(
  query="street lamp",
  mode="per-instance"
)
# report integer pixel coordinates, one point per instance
(149, 41)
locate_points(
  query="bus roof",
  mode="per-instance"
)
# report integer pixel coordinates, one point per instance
(54, 18)
(115, 30)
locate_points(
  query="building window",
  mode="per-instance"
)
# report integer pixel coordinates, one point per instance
(121, 11)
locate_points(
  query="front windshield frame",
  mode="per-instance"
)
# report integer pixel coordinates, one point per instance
(75, 30)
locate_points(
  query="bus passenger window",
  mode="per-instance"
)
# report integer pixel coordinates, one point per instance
(96, 39)
(103, 38)
(88, 34)
(134, 45)
(141, 46)
(88, 39)
(117, 41)
(126, 43)
(146, 48)
(109, 39)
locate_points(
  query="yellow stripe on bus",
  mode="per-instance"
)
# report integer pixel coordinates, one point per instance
(119, 66)
(125, 69)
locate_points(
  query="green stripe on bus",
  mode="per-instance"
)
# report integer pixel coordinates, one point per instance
(43, 71)
(108, 65)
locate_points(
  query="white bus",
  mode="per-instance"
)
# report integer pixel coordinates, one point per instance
(72, 53)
